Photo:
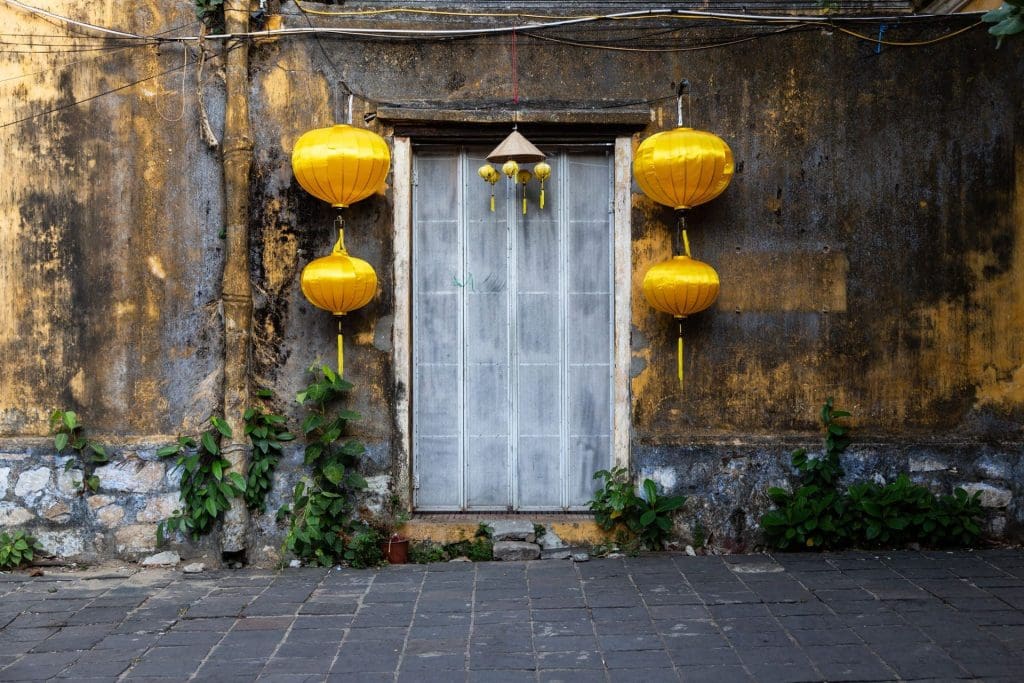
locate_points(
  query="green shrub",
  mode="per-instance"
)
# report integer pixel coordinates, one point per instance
(646, 518)
(817, 515)
(363, 549)
(17, 548)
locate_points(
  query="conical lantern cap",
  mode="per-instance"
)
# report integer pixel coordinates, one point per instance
(516, 148)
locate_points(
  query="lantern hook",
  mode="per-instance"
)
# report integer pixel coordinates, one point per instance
(684, 87)
(682, 233)
(339, 246)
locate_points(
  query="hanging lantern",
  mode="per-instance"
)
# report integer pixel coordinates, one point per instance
(542, 172)
(681, 286)
(522, 178)
(490, 175)
(339, 283)
(341, 164)
(683, 167)
(515, 147)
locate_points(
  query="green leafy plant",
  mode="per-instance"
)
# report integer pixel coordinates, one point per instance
(479, 549)
(206, 485)
(814, 515)
(17, 548)
(1006, 20)
(268, 434)
(321, 516)
(364, 549)
(647, 518)
(818, 515)
(67, 433)
(211, 13)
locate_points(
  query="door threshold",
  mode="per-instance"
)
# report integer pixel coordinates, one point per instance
(574, 528)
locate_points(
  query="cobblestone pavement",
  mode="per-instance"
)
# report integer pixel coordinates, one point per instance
(839, 617)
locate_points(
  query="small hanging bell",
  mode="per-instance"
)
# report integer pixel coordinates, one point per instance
(542, 171)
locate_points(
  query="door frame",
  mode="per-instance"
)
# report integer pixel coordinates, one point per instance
(401, 342)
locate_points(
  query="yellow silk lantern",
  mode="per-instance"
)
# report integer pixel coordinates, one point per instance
(511, 169)
(490, 175)
(339, 283)
(542, 171)
(341, 164)
(681, 286)
(683, 167)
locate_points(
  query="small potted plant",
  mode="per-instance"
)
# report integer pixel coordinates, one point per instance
(393, 545)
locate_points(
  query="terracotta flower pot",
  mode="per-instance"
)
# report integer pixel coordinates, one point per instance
(396, 550)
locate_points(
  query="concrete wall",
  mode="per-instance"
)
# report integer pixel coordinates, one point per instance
(870, 248)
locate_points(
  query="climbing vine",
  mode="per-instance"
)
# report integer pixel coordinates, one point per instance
(321, 518)
(268, 434)
(67, 433)
(206, 485)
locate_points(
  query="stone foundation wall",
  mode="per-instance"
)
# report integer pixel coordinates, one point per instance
(137, 490)
(727, 483)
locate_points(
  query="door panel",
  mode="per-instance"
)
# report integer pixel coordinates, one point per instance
(512, 335)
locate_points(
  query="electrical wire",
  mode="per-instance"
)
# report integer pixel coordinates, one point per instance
(909, 43)
(691, 48)
(66, 65)
(636, 15)
(89, 99)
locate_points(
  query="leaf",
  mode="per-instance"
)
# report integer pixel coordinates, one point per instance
(648, 517)
(334, 473)
(218, 470)
(650, 491)
(60, 441)
(210, 444)
(70, 419)
(211, 507)
(238, 480)
(222, 426)
(160, 533)
(264, 393)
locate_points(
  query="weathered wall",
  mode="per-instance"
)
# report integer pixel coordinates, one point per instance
(870, 248)
(109, 268)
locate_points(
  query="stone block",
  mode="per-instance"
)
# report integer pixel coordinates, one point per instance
(110, 516)
(97, 502)
(991, 496)
(512, 530)
(131, 476)
(926, 464)
(135, 538)
(166, 558)
(12, 515)
(61, 543)
(159, 508)
(992, 467)
(32, 483)
(5, 477)
(69, 483)
(58, 512)
(550, 540)
(516, 550)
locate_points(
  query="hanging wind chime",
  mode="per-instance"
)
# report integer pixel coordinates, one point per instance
(340, 165)
(515, 149)
(682, 168)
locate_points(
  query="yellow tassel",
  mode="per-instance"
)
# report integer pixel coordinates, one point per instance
(492, 201)
(679, 354)
(341, 354)
(542, 196)
(524, 201)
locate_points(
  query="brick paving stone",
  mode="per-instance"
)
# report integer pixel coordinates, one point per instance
(841, 617)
